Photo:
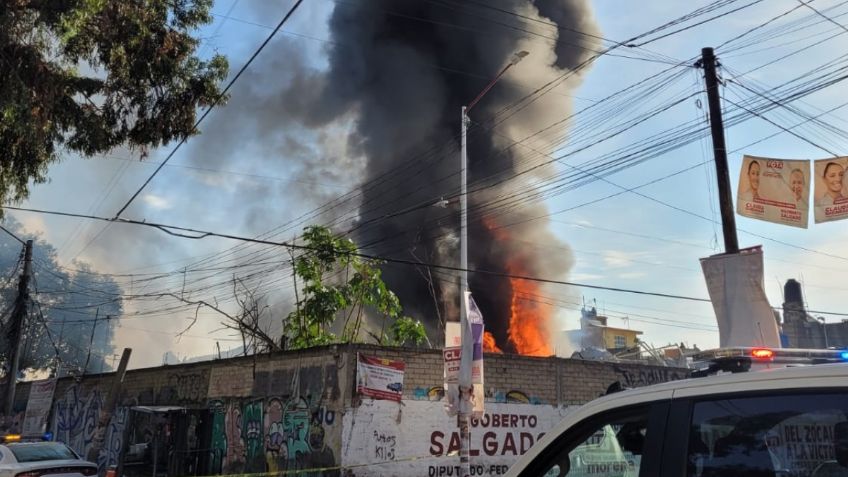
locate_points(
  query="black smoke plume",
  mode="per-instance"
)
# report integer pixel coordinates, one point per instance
(403, 69)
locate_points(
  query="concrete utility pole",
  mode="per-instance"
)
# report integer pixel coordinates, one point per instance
(108, 408)
(725, 195)
(18, 317)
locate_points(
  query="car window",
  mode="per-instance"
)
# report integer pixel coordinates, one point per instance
(768, 436)
(36, 452)
(607, 447)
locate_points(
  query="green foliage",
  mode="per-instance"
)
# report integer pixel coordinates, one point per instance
(406, 331)
(86, 76)
(337, 287)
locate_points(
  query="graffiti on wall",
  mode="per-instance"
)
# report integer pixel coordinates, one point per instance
(434, 393)
(184, 388)
(633, 378)
(513, 397)
(75, 421)
(252, 435)
(218, 445)
(272, 435)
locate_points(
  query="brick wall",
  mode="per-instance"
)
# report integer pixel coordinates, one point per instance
(299, 400)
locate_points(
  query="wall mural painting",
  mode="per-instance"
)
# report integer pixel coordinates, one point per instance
(252, 432)
(75, 420)
(274, 435)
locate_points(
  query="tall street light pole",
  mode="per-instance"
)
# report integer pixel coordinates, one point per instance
(464, 382)
(463, 198)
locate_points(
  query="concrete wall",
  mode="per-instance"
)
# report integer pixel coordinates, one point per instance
(298, 410)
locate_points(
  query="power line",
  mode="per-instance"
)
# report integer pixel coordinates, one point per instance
(212, 106)
(806, 4)
(4, 229)
(183, 232)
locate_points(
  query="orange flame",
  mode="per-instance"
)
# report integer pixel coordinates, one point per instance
(489, 345)
(529, 320)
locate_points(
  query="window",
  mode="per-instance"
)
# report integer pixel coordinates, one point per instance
(770, 436)
(608, 447)
(620, 342)
(36, 452)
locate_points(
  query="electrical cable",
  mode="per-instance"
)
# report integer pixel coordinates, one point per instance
(212, 106)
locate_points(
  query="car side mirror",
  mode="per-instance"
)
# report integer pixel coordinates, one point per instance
(840, 442)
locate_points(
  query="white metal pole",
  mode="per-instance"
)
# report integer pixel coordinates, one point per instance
(462, 415)
(463, 206)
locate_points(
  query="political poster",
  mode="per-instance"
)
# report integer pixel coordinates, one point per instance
(38, 407)
(774, 190)
(379, 378)
(465, 372)
(831, 194)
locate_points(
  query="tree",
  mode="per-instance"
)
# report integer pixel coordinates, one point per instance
(335, 288)
(86, 76)
(63, 301)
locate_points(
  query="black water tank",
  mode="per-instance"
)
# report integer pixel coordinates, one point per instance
(792, 292)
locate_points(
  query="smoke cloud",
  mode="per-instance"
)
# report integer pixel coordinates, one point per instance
(397, 74)
(406, 68)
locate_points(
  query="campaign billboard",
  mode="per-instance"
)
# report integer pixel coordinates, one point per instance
(831, 193)
(774, 190)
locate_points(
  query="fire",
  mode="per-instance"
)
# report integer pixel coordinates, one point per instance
(489, 345)
(529, 320)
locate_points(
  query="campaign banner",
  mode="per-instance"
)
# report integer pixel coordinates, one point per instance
(453, 354)
(831, 198)
(735, 284)
(38, 407)
(379, 378)
(774, 190)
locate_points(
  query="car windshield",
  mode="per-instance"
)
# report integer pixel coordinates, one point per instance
(40, 451)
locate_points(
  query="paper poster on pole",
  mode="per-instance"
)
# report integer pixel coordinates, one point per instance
(475, 322)
(453, 360)
(735, 284)
(379, 378)
(774, 190)
(452, 355)
(831, 195)
(38, 407)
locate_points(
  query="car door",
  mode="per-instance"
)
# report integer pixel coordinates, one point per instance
(773, 433)
(623, 442)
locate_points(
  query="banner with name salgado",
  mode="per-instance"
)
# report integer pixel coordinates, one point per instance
(831, 197)
(774, 190)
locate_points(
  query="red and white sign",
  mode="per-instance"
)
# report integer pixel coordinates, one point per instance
(379, 378)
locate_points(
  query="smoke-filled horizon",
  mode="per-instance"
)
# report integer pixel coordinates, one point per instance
(405, 68)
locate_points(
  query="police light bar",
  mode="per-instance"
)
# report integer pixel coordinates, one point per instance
(741, 359)
(12, 438)
(776, 355)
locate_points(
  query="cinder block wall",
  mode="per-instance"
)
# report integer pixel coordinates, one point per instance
(306, 394)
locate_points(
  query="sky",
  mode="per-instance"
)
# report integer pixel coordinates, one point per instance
(249, 188)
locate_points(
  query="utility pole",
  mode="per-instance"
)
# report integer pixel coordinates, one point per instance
(108, 407)
(18, 318)
(725, 195)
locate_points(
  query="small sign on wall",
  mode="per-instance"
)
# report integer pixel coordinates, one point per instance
(379, 378)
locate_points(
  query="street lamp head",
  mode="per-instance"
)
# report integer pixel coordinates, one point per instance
(518, 57)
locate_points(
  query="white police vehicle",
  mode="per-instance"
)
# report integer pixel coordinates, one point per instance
(23, 457)
(790, 420)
